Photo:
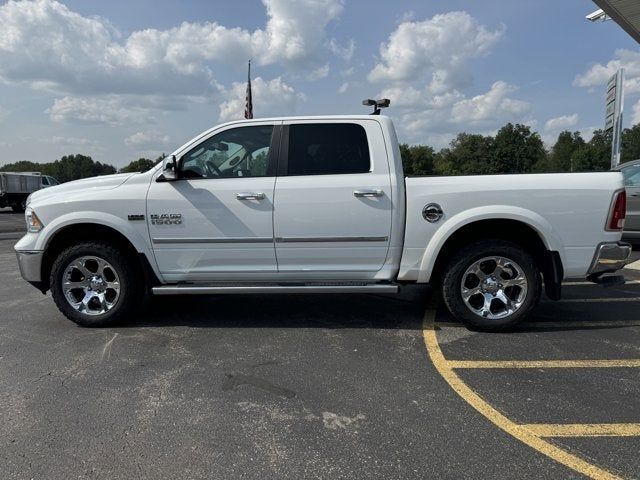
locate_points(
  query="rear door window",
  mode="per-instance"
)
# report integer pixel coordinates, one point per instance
(327, 149)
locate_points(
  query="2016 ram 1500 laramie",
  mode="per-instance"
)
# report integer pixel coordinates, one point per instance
(318, 204)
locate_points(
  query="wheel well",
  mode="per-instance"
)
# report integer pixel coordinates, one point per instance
(504, 229)
(76, 233)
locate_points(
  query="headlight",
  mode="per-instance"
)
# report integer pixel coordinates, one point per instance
(33, 222)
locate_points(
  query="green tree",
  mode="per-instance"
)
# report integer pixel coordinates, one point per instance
(69, 167)
(468, 154)
(630, 144)
(140, 165)
(417, 159)
(517, 149)
(22, 166)
(562, 151)
(595, 155)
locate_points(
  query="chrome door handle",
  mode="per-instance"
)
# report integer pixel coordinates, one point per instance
(250, 196)
(368, 192)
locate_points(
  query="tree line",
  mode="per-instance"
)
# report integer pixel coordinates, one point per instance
(74, 167)
(514, 149)
(518, 149)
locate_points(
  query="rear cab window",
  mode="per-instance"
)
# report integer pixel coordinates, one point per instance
(327, 149)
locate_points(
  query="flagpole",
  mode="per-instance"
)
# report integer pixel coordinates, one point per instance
(248, 108)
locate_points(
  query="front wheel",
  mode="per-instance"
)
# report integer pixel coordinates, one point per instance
(94, 284)
(491, 285)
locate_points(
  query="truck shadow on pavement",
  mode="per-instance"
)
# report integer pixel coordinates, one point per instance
(385, 312)
(403, 311)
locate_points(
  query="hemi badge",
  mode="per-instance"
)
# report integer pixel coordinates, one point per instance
(136, 217)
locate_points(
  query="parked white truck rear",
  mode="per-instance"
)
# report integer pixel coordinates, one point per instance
(318, 205)
(15, 187)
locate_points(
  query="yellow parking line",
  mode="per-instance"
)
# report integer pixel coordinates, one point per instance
(585, 429)
(518, 431)
(623, 363)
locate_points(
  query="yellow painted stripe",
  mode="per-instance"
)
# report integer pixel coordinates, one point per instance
(518, 431)
(585, 430)
(629, 363)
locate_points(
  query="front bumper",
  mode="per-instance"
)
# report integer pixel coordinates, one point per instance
(609, 257)
(30, 263)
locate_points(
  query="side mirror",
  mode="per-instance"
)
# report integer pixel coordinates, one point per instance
(170, 172)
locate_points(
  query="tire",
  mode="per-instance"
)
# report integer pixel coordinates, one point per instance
(510, 273)
(99, 271)
(19, 207)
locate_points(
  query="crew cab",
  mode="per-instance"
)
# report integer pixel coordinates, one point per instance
(318, 205)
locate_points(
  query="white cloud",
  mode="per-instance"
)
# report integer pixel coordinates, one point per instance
(437, 48)
(318, 73)
(4, 113)
(492, 105)
(72, 53)
(108, 109)
(561, 123)
(270, 98)
(344, 52)
(436, 120)
(347, 72)
(636, 113)
(343, 88)
(599, 74)
(90, 63)
(147, 140)
(71, 141)
(425, 72)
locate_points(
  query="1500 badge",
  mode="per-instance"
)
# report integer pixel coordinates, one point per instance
(166, 218)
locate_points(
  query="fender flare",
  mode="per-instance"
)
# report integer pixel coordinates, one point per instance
(488, 212)
(140, 244)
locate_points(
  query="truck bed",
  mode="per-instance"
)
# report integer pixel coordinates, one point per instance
(11, 182)
(568, 210)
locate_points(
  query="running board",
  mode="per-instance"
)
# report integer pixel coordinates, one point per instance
(236, 289)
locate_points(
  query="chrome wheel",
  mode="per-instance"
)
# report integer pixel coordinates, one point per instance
(494, 287)
(91, 285)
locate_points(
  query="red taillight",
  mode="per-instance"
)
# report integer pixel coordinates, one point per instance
(618, 212)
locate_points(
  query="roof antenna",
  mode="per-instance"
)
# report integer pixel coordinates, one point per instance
(376, 104)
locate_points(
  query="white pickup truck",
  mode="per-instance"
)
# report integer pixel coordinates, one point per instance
(318, 205)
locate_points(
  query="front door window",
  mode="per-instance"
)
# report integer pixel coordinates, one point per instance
(238, 152)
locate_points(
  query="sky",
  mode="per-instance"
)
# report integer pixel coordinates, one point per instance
(122, 80)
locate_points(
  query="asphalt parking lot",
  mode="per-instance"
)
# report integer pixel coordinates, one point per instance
(358, 386)
(10, 222)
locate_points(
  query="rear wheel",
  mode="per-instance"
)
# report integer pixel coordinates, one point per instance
(94, 284)
(491, 285)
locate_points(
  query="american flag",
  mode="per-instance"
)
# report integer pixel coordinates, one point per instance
(248, 108)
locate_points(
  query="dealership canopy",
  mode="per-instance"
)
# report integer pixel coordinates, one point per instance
(625, 13)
